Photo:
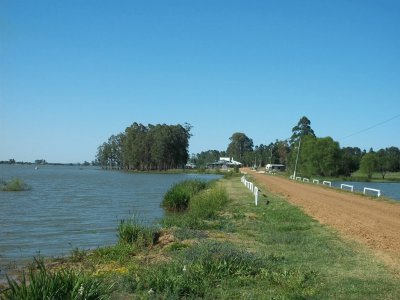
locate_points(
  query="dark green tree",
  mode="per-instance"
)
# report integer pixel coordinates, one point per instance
(368, 164)
(239, 145)
(350, 158)
(319, 156)
(147, 147)
(206, 157)
(303, 128)
(393, 157)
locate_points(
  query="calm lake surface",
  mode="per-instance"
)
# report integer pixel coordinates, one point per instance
(388, 189)
(72, 207)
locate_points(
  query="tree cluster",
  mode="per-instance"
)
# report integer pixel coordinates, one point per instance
(320, 156)
(152, 147)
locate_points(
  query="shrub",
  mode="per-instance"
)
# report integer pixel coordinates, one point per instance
(61, 284)
(202, 207)
(14, 185)
(133, 231)
(178, 196)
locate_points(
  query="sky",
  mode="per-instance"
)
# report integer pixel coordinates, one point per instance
(72, 73)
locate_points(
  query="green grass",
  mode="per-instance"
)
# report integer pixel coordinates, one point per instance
(202, 210)
(213, 270)
(133, 231)
(376, 176)
(178, 196)
(61, 284)
(14, 185)
(345, 270)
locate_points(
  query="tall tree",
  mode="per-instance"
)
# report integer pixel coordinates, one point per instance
(393, 157)
(368, 164)
(303, 128)
(319, 156)
(239, 145)
(206, 157)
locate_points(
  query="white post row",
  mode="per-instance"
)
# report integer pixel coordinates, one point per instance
(329, 183)
(251, 187)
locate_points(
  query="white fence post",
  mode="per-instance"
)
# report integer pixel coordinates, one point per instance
(256, 195)
(374, 190)
(325, 182)
(252, 188)
(306, 180)
(315, 181)
(346, 185)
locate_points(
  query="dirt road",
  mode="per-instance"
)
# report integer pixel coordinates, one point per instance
(371, 222)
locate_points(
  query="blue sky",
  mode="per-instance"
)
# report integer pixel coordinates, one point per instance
(74, 72)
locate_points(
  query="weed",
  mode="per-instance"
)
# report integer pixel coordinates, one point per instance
(178, 196)
(203, 207)
(61, 284)
(133, 231)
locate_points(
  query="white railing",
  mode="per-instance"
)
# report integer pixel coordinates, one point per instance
(351, 187)
(251, 187)
(342, 185)
(378, 192)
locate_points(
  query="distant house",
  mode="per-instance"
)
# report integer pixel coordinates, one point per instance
(274, 167)
(224, 163)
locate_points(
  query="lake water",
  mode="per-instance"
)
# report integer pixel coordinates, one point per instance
(70, 207)
(388, 189)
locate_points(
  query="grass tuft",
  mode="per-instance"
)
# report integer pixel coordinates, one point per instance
(203, 208)
(14, 185)
(62, 284)
(133, 231)
(178, 196)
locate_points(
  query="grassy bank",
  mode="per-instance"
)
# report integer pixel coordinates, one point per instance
(376, 177)
(224, 247)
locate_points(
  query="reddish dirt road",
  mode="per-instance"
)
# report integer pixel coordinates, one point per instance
(371, 222)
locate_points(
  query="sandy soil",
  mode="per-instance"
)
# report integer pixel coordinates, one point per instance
(371, 222)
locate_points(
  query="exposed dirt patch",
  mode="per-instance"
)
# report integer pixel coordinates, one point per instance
(371, 222)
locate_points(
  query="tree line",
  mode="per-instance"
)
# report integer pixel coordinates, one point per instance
(151, 147)
(321, 156)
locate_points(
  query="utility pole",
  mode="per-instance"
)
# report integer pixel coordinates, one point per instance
(297, 158)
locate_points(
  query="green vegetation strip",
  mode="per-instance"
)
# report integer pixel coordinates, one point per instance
(14, 185)
(223, 247)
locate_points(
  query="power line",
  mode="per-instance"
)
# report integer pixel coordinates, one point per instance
(371, 127)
